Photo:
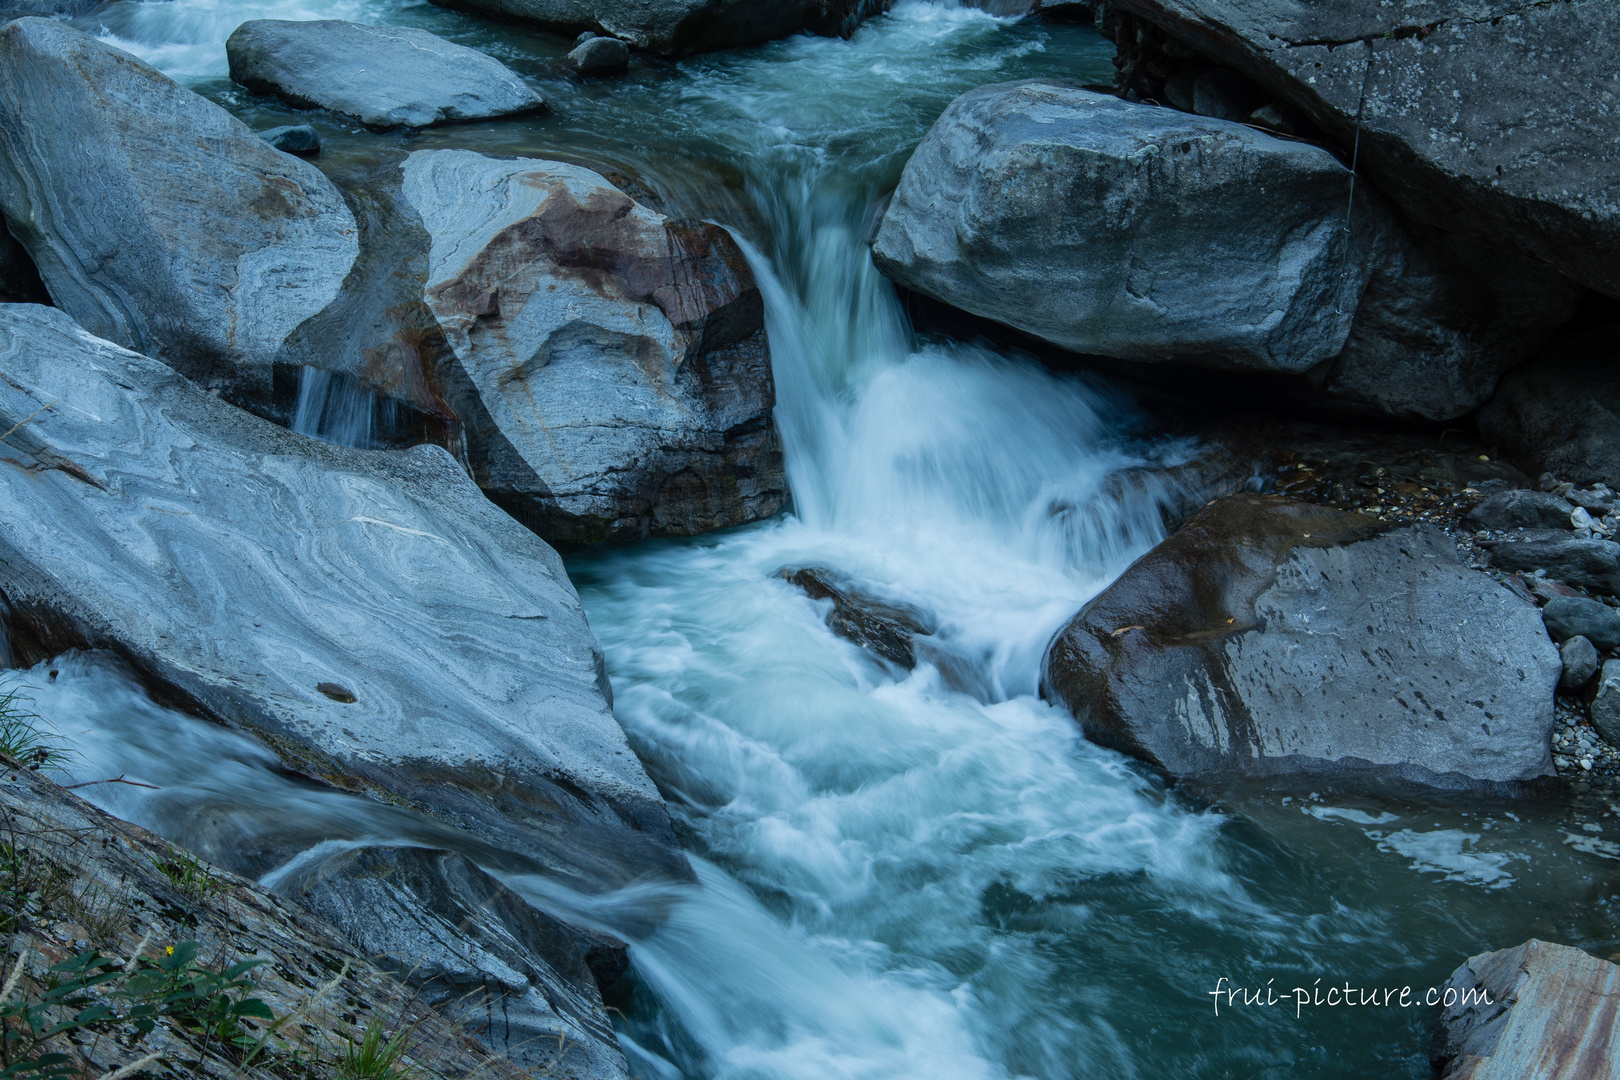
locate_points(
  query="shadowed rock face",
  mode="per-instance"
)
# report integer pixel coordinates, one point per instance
(1493, 118)
(368, 615)
(1560, 413)
(158, 220)
(619, 356)
(1270, 637)
(383, 76)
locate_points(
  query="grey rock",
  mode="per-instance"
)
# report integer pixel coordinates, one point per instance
(1538, 1009)
(1074, 217)
(1493, 118)
(1520, 509)
(1577, 616)
(890, 630)
(265, 579)
(1272, 637)
(599, 56)
(1606, 702)
(1178, 90)
(683, 26)
(515, 976)
(620, 355)
(1580, 659)
(1590, 563)
(300, 139)
(383, 76)
(158, 220)
(1560, 412)
(1225, 95)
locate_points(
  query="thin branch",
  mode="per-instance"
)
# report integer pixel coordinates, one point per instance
(115, 780)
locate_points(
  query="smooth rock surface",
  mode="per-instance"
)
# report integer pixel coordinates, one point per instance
(1590, 563)
(1606, 702)
(683, 26)
(1270, 637)
(620, 356)
(300, 139)
(265, 579)
(516, 977)
(1560, 412)
(1520, 509)
(1580, 659)
(1537, 1010)
(383, 76)
(158, 220)
(1495, 118)
(599, 56)
(1576, 616)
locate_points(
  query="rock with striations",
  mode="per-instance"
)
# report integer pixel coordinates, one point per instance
(683, 26)
(370, 616)
(1537, 1010)
(158, 220)
(1494, 118)
(618, 358)
(1146, 234)
(1270, 637)
(1560, 412)
(383, 76)
(514, 976)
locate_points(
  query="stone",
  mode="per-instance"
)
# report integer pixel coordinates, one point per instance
(1520, 509)
(158, 220)
(1535, 1010)
(1225, 95)
(19, 277)
(1580, 658)
(620, 356)
(1560, 412)
(238, 566)
(1271, 637)
(674, 27)
(1589, 562)
(1577, 616)
(1606, 702)
(515, 977)
(599, 56)
(1073, 216)
(300, 139)
(1493, 119)
(383, 76)
(887, 629)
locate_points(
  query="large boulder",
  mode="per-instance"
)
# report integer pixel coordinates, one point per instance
(1269, 637)
(1560, 412)
(157, 219)
(1536, 1010)
(383, 76)
(683, 26)
(370, 616)
(1494, 118)
(1146, 234)
(473, 948)
(618, 358)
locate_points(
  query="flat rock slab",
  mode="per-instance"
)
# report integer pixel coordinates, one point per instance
(1490, 117)
(158, 220)
(368, 615)
(383, 76)
(1538, 1010)
(1270, 637)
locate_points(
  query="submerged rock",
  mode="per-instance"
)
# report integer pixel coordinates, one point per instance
(887, 629)
(158, 220)
(1537, 1010)
(619, 358)
(1560, 412)
(241, 566)
(599, 56)
(1147, 234)
(516, 977)
(1270, 637)
(383, 76)
(300, 139)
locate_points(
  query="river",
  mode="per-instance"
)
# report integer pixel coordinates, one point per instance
(923, 874)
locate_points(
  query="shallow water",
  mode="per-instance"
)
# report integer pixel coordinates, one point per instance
(925, 874)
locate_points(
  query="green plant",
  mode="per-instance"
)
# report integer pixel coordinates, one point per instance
(103, 914)
(194, 878)
(374, 1058)
(30, 884)
(65, 1003)
(210, 1004)
(21, 737)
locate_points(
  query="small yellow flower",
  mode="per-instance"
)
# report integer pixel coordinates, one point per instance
(169, 949)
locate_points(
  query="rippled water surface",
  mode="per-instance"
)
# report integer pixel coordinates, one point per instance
(928, 874)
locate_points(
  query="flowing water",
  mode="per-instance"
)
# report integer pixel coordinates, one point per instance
(919, 874)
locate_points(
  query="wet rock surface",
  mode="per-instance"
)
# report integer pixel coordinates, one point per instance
(1538, 1009)
(240, 566)
(158, 220)
(384, 76)
(300, 139)
(620, 356)
(596, 55)
(886, 629)
(1269, 636)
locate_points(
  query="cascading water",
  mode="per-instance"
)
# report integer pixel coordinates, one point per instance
(924, 874)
